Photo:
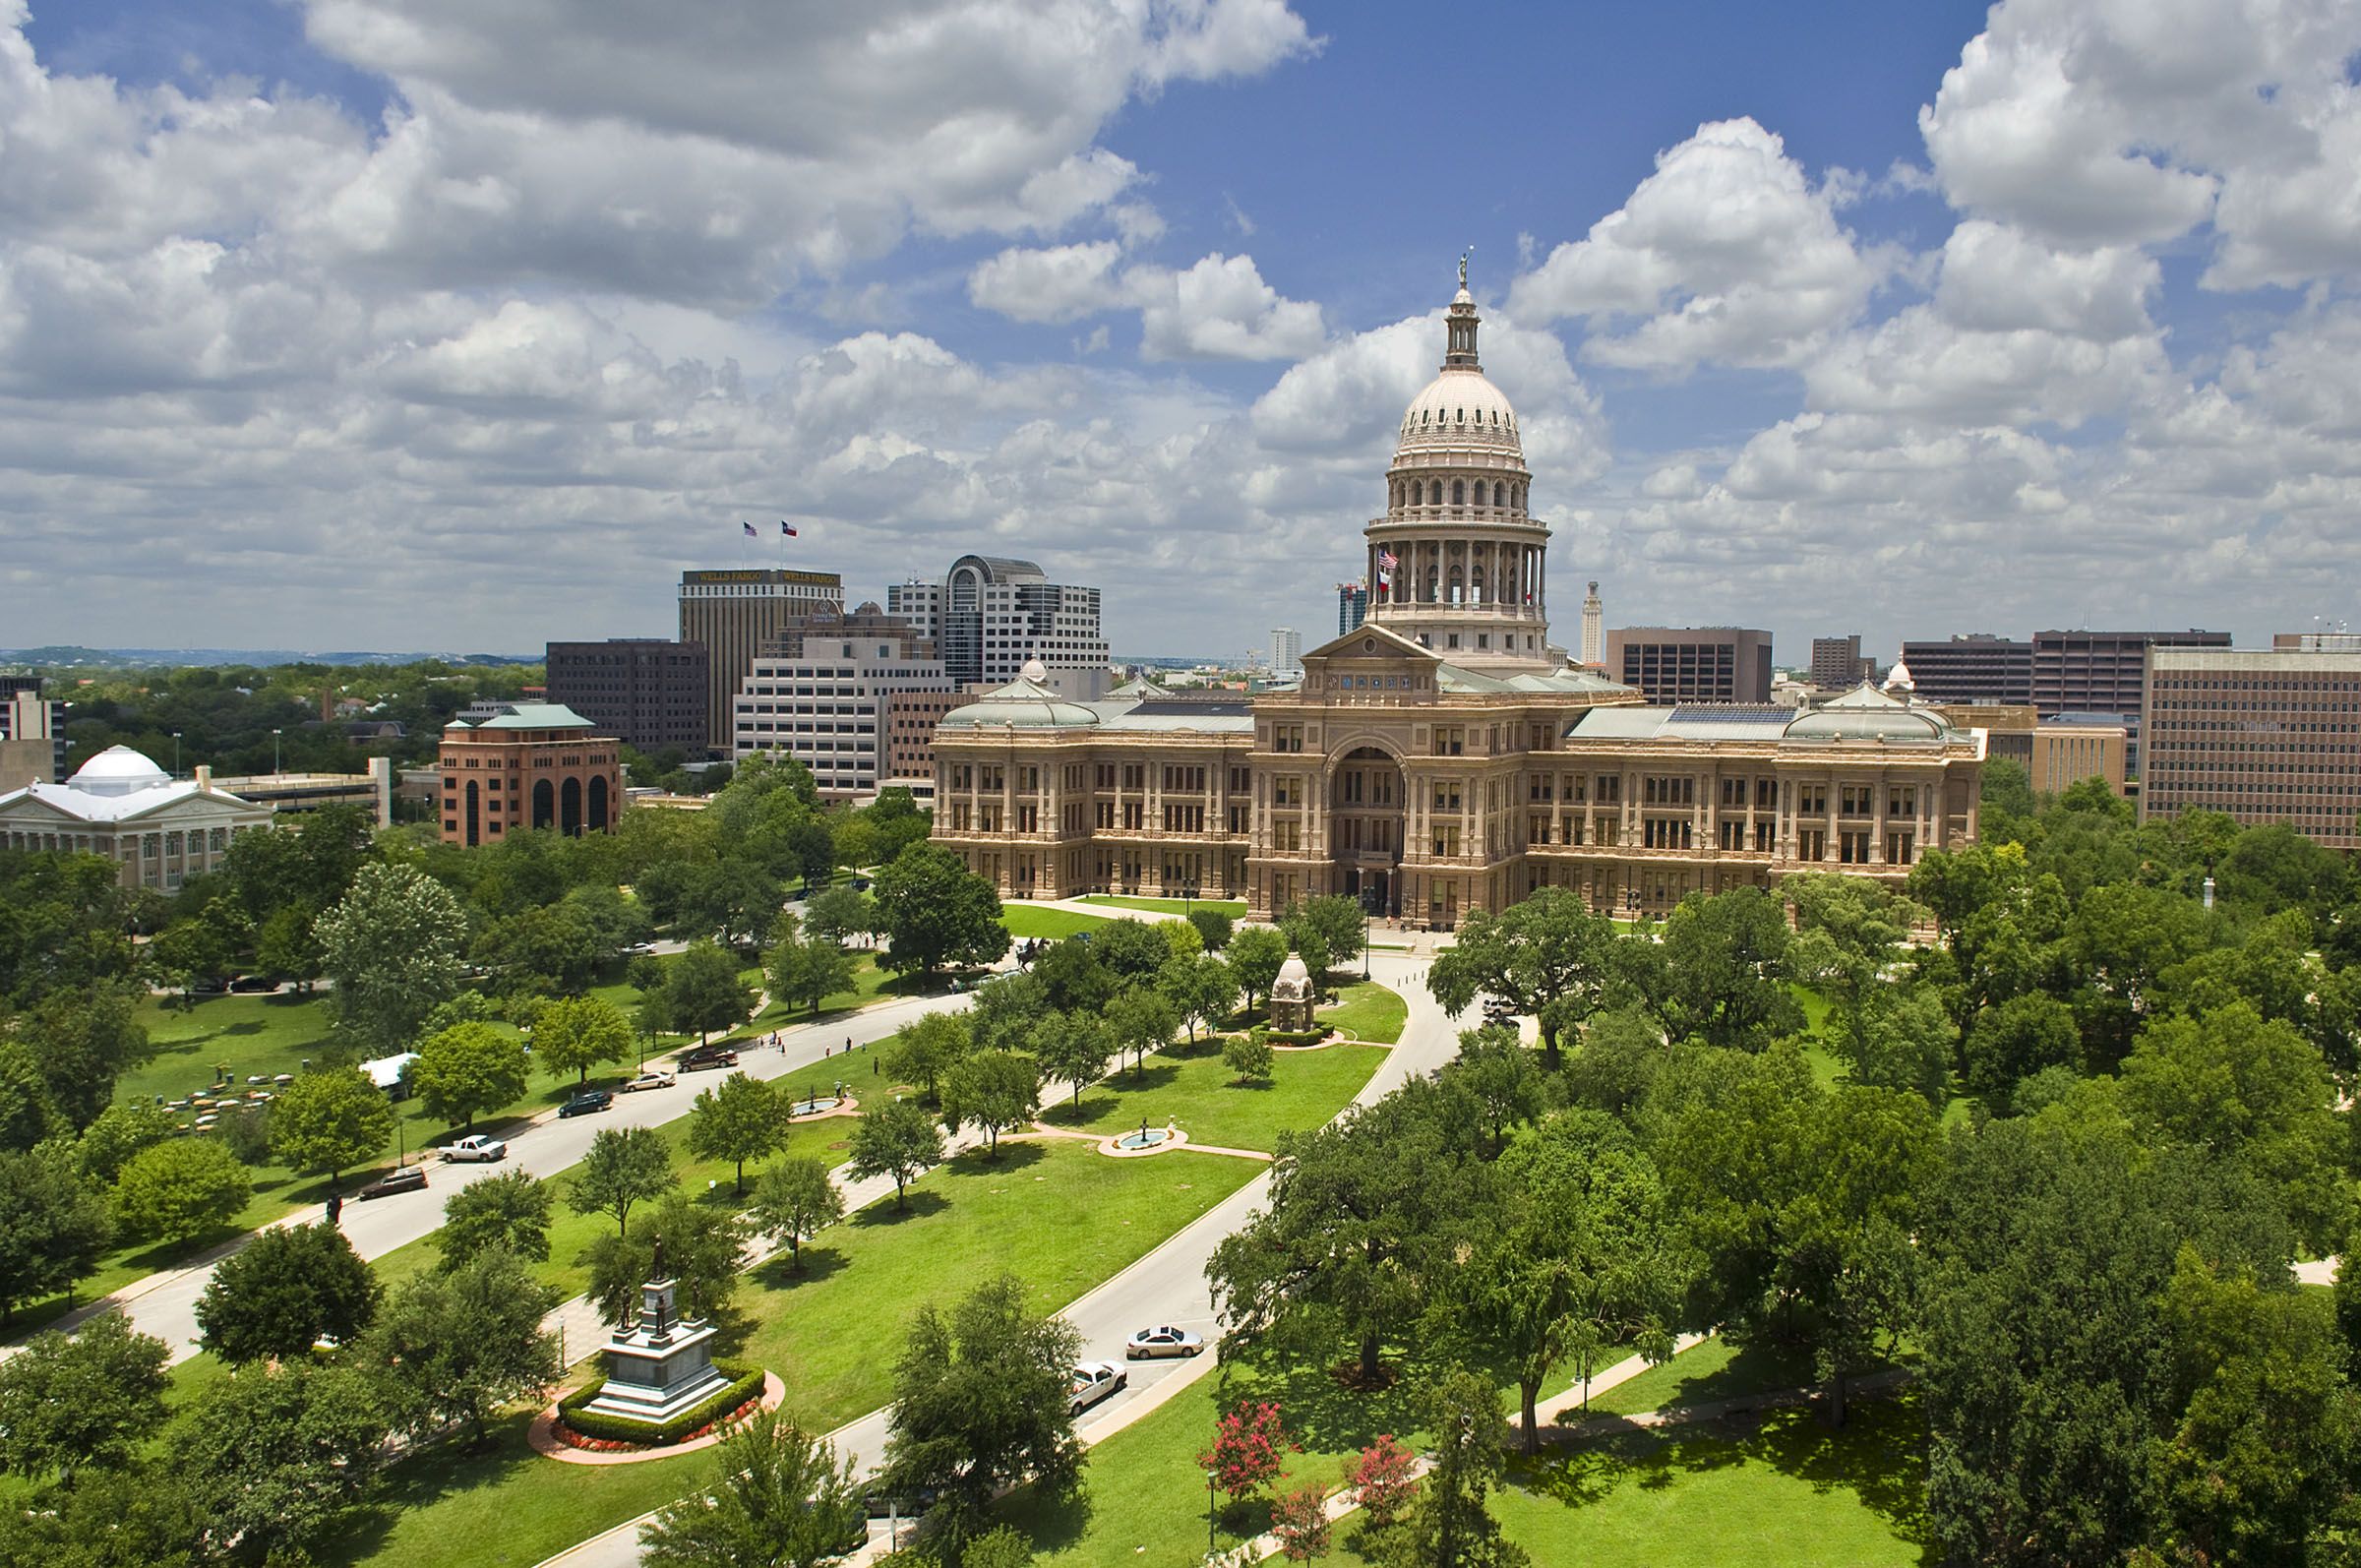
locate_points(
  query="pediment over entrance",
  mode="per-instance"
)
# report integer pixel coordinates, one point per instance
(1371, 641)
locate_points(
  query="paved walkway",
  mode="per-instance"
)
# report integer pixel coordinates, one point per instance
(1167, 1286)
(164, 1304)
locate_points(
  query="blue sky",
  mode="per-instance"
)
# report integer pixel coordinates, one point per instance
(454, 328)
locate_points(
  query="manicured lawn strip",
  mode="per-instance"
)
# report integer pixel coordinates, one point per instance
(1195, 1092)
(1367, 1011)
(1023, 921)
(1714, 1369)
(502, 1506)
(1234, 908)
(570, 1232)
(1058, 1215)
(1147, 1495)
(1791, 1494)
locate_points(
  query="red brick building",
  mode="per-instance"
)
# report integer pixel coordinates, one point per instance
(531, 764)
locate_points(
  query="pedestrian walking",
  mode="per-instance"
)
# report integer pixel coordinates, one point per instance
(336, 1206)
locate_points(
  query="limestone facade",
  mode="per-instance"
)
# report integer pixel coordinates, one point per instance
(1444, 756)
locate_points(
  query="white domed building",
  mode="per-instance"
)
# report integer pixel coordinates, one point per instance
(1444, 756)
(158, 830)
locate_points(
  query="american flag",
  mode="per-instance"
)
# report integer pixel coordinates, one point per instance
(1386, 561)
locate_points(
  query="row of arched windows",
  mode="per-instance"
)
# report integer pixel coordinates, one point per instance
(1429, 493)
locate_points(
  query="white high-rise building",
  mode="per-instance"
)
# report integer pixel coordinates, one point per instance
(1594, 627)
(1287, 650)
(817, 696)
(989, 613)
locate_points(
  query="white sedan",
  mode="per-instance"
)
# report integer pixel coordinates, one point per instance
(1093, 1382)
(1163, 1340)
(652, 1078)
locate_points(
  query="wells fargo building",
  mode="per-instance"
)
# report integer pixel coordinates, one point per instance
(1444, 756)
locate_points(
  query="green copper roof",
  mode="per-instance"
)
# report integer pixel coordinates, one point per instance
(536, 716)
(1020, 705)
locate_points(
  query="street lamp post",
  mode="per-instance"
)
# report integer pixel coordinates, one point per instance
(274, 734)
(176, 754)
(1367, 907)
(1209, 1542)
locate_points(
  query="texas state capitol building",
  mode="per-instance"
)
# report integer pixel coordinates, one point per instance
(1445, 757)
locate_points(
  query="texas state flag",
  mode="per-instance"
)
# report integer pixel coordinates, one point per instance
(783, 528)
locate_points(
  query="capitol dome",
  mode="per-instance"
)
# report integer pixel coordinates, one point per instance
(119, 770)
(1459, 409)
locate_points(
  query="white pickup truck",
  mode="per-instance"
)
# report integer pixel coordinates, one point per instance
(475, 1146)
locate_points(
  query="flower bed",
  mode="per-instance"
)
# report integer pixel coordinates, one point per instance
(577, 1427)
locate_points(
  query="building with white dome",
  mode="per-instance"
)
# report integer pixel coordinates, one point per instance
(1444, 756)
(158, 830)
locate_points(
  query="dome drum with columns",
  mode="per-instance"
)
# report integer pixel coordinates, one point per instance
(1468, 575)
(1444, 757)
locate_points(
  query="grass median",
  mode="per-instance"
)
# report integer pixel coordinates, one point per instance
(1367, 1011)
(1781, 1490)
(1234, 908)
(1060, 1216)
(1195, 1091)
(1025, 920)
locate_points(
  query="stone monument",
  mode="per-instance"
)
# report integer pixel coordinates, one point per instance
(1292, 996)
(662, 1364)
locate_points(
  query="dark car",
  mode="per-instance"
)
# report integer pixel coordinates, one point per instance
(706, 1057)
(878, 1505)
(586, 1102)
(250, 985)
(409, 1179)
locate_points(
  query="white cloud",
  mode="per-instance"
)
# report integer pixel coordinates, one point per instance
(1727, 252)
(2112, 122)
(2017, 333)
(1221, 309)
(1061, 283)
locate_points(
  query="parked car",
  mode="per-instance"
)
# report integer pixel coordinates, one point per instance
(702, 1056)
(1093, 1382)
(652, 1078)
(878, 1505)
(476, 1147)
(586, 1102)
(249, 984)
(1161, 1340)
(409, 1179)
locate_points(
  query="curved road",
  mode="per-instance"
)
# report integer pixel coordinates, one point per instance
(1167, 1286)
(165, 1304)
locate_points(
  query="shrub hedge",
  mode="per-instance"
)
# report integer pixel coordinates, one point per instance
(1297, 1037)
(746, 1382)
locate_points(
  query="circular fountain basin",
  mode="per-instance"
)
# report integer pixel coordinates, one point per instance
(1142, 1141)
(814, 1107)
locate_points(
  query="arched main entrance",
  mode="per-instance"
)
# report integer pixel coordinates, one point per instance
(569, 807)
(1366, 823)
(545, 803)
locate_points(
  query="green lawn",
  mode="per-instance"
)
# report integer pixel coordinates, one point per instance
(1195, 1091)
(1788, 1493)
(1714, 1369)
(1056, 1214)
(1146, 1494)
(1024, 920)
(570, 1232)
(1234, 908)
(1367, 1011)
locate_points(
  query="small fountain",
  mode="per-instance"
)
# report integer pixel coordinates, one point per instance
(813, 1104)
(1145, 1139)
